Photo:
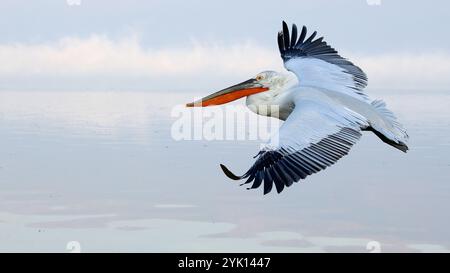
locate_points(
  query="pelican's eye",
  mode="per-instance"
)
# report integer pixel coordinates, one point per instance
(259, 77)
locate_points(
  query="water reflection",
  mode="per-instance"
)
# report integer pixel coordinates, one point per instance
(102, 169)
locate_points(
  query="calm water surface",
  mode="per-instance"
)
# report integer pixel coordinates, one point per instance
(102, 169)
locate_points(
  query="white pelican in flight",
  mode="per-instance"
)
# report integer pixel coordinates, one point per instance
(324, 111)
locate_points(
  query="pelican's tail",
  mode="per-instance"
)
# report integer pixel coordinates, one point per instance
(389, 129)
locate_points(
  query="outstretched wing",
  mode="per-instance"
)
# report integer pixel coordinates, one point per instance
(317, 64)
(314, 136)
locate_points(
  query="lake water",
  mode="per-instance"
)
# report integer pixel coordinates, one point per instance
(103, 170)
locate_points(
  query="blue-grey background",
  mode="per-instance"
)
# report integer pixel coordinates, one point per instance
(86, 95)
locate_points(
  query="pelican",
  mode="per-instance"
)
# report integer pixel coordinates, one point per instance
(324, 111)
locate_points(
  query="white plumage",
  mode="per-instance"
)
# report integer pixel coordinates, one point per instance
(323, 106)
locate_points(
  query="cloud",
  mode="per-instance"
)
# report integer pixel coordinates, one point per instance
(84, 62)
(98, 55)
(422, 71)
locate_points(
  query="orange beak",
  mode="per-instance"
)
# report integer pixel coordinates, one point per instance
(229, 94)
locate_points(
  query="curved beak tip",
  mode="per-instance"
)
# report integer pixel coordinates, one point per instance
(229, 94)
(193, 104)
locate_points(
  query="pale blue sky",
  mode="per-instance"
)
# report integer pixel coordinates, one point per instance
(399, 28)
(353, 24)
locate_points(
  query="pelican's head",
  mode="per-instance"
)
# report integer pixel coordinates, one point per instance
(263, 82)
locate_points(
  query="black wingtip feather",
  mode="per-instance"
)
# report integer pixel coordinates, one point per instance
(268, 182)
(294, 35)
(313, 35)
(280, 168)
(229, 173)
(291, 47)
(286, 35)
(302, 36)
(403, 147)
(281, 42)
